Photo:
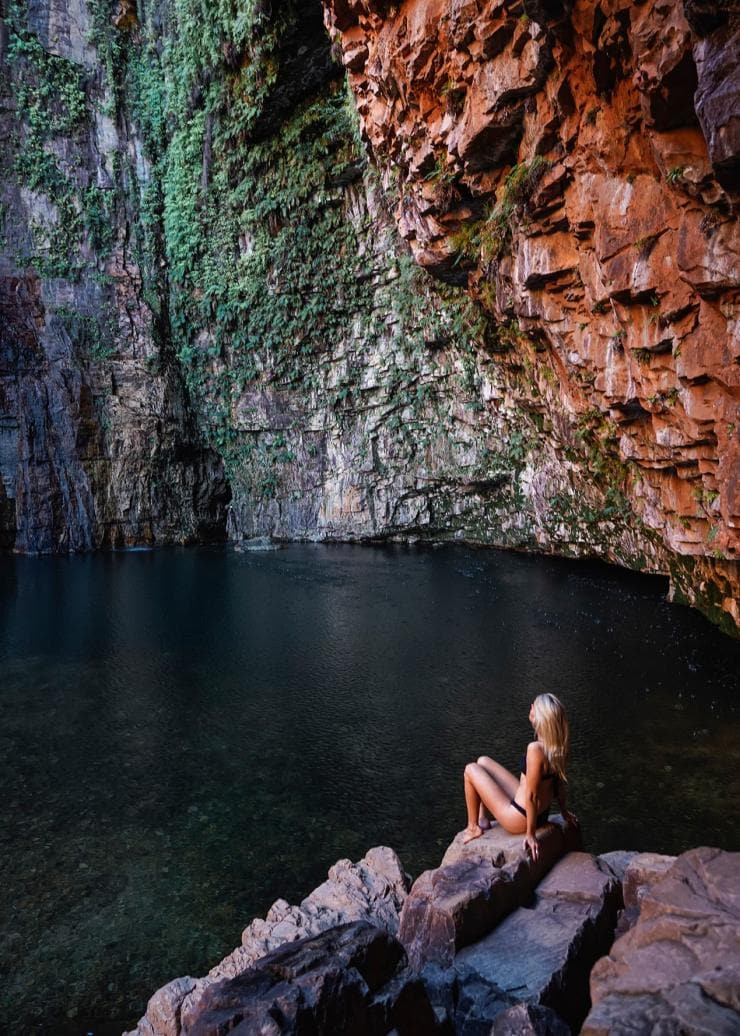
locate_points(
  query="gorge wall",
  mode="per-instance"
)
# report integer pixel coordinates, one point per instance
(97, 443)
(211, 325)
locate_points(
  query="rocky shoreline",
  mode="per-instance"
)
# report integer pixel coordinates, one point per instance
(488, 942)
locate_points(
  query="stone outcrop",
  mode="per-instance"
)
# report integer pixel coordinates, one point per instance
(509, 948)
(543, 954)
(372, 891)
(204, 298)
(475, 887)
(576, 167)
(677, 967)
(349, 979)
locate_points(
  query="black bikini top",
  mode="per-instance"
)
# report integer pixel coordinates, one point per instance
(545, 776)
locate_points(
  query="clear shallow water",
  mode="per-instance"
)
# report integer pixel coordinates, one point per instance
(187, 735)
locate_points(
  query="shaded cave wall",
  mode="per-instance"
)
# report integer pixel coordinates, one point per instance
(212, 323)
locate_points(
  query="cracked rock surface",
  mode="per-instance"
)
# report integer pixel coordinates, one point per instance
(576, 166)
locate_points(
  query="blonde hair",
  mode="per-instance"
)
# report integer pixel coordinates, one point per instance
(551, 728)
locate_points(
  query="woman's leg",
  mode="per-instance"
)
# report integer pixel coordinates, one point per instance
(500, 774)
(503, 778)
(480, 787)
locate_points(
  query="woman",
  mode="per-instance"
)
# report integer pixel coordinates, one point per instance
(521, 806)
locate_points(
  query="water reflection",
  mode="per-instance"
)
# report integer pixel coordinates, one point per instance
(187, 735)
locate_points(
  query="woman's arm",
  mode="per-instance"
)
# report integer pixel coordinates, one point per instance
(569, 818)
(535, 765)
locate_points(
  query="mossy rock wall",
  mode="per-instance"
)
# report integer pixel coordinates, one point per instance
(228, 330)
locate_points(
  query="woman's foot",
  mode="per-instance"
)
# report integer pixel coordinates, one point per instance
(470, 833)
(483, 822)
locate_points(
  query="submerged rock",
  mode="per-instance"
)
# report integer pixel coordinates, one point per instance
(258, 543)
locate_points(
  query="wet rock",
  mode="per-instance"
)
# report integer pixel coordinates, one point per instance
(543, 953)
(677, 967)
(477, 885)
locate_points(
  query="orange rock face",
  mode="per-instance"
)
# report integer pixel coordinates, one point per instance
(574, 164)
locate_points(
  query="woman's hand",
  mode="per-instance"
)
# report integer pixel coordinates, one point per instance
(532, 847)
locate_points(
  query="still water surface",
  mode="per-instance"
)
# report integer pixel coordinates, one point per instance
(187, 735)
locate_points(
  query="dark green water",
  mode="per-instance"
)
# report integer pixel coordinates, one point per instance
(187, 735)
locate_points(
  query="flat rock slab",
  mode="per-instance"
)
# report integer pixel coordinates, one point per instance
(678, 968)
(477, 885)
(543, 954)
(555, 838)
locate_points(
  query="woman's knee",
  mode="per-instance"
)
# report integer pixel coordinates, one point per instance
(470, 771)
(485, 760)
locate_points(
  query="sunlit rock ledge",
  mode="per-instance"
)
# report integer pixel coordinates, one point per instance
(488, 942)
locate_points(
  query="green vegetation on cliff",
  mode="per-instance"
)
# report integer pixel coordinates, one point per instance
(254, 230)
(51, 98)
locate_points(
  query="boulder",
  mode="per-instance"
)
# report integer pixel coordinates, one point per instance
(678, 966)
(452, 906)
(476, 886)
(640, 874)
(555, 838)
(163, 1009)
(349, 979)
(542, 954)
(372, 889)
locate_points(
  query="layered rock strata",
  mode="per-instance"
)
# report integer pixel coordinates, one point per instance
(204, 293)
(576, 167)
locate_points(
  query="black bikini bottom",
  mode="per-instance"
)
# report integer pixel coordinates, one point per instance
(542, 818)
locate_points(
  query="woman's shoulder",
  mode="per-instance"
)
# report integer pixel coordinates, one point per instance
(535, 750)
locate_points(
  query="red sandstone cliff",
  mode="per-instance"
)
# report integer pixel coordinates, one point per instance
(576, 165)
